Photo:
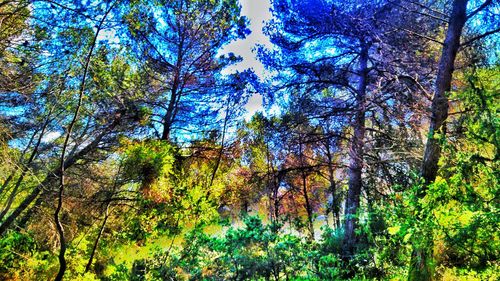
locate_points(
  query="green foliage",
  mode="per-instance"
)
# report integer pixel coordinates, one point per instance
(148, 162)
(213, 198)
(253, 252)
(12, 246)
(19, 251)
(457, 221)
(257, 252)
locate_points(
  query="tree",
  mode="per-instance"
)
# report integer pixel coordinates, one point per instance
(354, 69)
(180, 41)
(439, 111)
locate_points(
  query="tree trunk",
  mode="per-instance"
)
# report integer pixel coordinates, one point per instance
(169, 115)
(96, 242)
(439, 108)
(59, 226)
(310, 221)
(334, 207)
(307, 202)
(24, 168)
(356, 156)
(175, 95)
(52, 176)
(421, 255)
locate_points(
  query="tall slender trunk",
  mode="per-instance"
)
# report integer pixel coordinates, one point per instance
(356, 155)
(169, 115)
(52, 176)
(222, 144)
(310, 220)
(219, 154)
(96, 242)
(24, 168)
(59, 226)
(421, 255)
(334, 208)
(175, 94)
(272, 185)
(307, 202)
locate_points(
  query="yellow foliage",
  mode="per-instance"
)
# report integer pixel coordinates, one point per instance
(394, 229)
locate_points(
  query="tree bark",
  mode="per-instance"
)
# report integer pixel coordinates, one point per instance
(169, 115)
(59, 226)
(175, 94)
(52, 176)
(222, 146)
(24, 168)
(439, 108)
(307, 202)
(334, 208)
(96, 242)
(356, 155)
(421, 256)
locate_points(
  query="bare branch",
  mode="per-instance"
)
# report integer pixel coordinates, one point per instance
(473, 39)
(479, 9)
(427, 8)
(420, 13)
(422, 36)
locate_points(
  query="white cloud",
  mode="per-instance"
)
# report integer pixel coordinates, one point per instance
(50, 136)
(257, 11)
(253, 105)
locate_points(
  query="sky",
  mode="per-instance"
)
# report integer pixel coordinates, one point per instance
(257, 12)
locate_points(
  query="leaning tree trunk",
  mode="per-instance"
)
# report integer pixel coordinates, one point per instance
(24, 168)
(69, 130)
(421, 256)
(98, 238)
(439, 109)
(356, 156)
(53, 175)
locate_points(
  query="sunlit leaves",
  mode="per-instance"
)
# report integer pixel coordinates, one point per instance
(149, 162)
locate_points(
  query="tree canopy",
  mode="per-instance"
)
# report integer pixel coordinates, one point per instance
(127, 152)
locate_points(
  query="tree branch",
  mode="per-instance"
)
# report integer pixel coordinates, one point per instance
(479, 9)
(473, 39)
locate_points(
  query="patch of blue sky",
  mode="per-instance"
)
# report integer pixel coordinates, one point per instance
(11, 111)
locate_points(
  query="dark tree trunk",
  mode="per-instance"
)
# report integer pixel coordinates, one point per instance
(310, 221)
(421, 255)
(222, 146)
(69, 130)
(96, 242)
(307, 202)
(51, 177)
(62, 165)
(24, 169)
(273, 181)
(356, 156)
(439, 108)
(175, 96)
(169, 115)
(26, 202)
(334, 208)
